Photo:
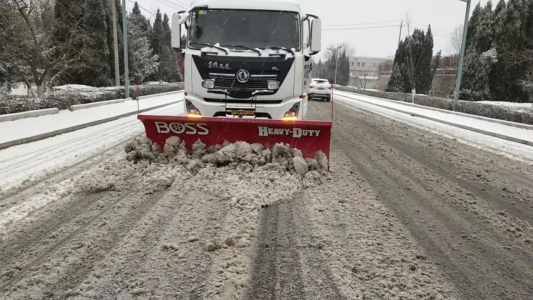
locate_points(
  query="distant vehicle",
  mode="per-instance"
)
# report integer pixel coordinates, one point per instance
(320, 88)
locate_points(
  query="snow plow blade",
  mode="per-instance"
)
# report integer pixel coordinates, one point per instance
(307, 136)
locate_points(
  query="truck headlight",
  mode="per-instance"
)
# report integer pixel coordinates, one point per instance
(273, 85)
(292, 114)
(192, 111)
(208, 84)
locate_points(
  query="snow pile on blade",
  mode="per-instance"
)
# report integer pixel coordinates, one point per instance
(153, 168)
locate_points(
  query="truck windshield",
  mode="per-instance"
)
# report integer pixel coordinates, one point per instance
(247, 28)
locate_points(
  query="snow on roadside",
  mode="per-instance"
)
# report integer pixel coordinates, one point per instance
(495, 145)
(243, 177)
(509, 104)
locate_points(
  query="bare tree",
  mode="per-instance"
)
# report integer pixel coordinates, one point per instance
(38, 58)
(456, 43)
(363, 80)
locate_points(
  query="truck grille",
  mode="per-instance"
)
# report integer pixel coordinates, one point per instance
(228, 81)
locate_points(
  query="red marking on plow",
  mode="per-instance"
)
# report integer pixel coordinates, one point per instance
(307, 136)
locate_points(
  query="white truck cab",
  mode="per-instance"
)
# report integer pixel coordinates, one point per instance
(247, 59)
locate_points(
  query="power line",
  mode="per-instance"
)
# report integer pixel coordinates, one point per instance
(371, 23)
(140, 7)
(433, 28)
(443, 35)
(359, 28)
(179, 3)
(168, 4)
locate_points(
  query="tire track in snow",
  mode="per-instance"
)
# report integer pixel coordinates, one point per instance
(288, 263)
(44, 254)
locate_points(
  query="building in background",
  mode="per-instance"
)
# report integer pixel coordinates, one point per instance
(364, 71)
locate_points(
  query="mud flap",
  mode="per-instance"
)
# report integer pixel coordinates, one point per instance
(307, 136)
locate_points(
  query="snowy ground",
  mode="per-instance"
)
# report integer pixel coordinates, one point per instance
(510, 104)
(476, 139)
(22, 128)
(404, 214)
(30, 162)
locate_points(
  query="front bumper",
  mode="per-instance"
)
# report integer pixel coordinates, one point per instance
(275, 111)
(321, 93)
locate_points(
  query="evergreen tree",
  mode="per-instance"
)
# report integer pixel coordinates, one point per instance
(170, 57)
(412, 64)
(145, 62)
(484, 34)
(475, 83)
(424, 75)
(6, 69)
(476, 74)
(157, 33)
(396, 81)
(510, 42)
(473, 24)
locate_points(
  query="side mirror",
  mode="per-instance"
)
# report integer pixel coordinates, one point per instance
(316, 36)
(175, 35)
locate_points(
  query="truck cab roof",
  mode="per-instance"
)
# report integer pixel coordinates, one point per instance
(277, 5)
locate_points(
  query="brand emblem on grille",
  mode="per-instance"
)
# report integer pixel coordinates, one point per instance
(243, 76)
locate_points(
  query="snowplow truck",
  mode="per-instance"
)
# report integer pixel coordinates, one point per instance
(247, 70)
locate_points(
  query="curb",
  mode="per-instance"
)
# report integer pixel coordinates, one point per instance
(157, 95)
(107, 102)
(94, 104)
(503, 122)
(77, 127)
(497, 135)
(28, 114)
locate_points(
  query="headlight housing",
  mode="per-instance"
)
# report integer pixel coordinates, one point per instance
(208, 84)
(292, 114)
(192, 111)
(273, 85)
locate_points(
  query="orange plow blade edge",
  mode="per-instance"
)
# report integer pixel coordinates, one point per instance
(307, 136)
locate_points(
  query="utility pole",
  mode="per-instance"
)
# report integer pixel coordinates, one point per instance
(461, 55)
(412, 73)
(336, 61)
(400, 37)
(115, 37)
(126, 71)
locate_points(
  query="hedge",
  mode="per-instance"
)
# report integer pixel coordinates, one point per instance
(519, 115)
(63, 99)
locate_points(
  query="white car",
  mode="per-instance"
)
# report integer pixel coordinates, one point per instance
(320, 88)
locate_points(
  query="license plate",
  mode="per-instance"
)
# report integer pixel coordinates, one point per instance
(244, 112)
(321, 89)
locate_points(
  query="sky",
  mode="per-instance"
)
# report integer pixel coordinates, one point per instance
(377, 39)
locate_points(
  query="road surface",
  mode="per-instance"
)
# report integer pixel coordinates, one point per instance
(404, 214)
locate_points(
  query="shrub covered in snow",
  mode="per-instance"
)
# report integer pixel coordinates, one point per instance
(514, 114)
(65, 97)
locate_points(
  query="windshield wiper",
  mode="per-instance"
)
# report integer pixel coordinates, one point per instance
(245, 47)
(280, 48)
(212, 46)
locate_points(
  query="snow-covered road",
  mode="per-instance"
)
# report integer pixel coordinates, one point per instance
(38, 160)
(28, 127)
(412, 209)
(402, 112)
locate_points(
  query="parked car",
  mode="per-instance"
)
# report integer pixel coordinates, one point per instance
(320, 89)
